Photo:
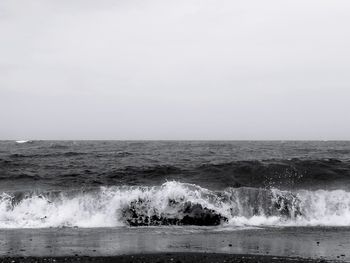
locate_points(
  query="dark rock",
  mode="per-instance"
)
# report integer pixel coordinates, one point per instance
(140, 213)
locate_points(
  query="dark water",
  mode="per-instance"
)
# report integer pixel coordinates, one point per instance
(216, 165)
(110, 183)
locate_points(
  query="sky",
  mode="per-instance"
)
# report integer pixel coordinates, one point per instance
(175, 70)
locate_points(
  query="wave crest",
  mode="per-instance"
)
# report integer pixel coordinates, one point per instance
(174, 203)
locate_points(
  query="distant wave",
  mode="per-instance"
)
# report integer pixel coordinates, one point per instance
(24, 141)
(174, 203)
(68, 154)
(55, 154)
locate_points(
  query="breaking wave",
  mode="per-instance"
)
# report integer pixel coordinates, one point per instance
(174, 203)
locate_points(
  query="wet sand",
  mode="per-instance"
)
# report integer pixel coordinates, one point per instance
(179, 244)
(165, 257)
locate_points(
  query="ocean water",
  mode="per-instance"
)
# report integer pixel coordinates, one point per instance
(219, 184)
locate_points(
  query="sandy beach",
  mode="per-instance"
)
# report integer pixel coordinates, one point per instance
(181, 245)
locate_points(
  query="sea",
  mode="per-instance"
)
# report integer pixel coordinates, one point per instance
(206, 184)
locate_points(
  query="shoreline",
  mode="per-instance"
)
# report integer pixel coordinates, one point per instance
(178, 257)
(92, 245)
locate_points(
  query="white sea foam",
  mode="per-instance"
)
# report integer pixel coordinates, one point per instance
(240, 206)
(23, 141)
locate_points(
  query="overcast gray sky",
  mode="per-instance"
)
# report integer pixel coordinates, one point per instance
(181, 69)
